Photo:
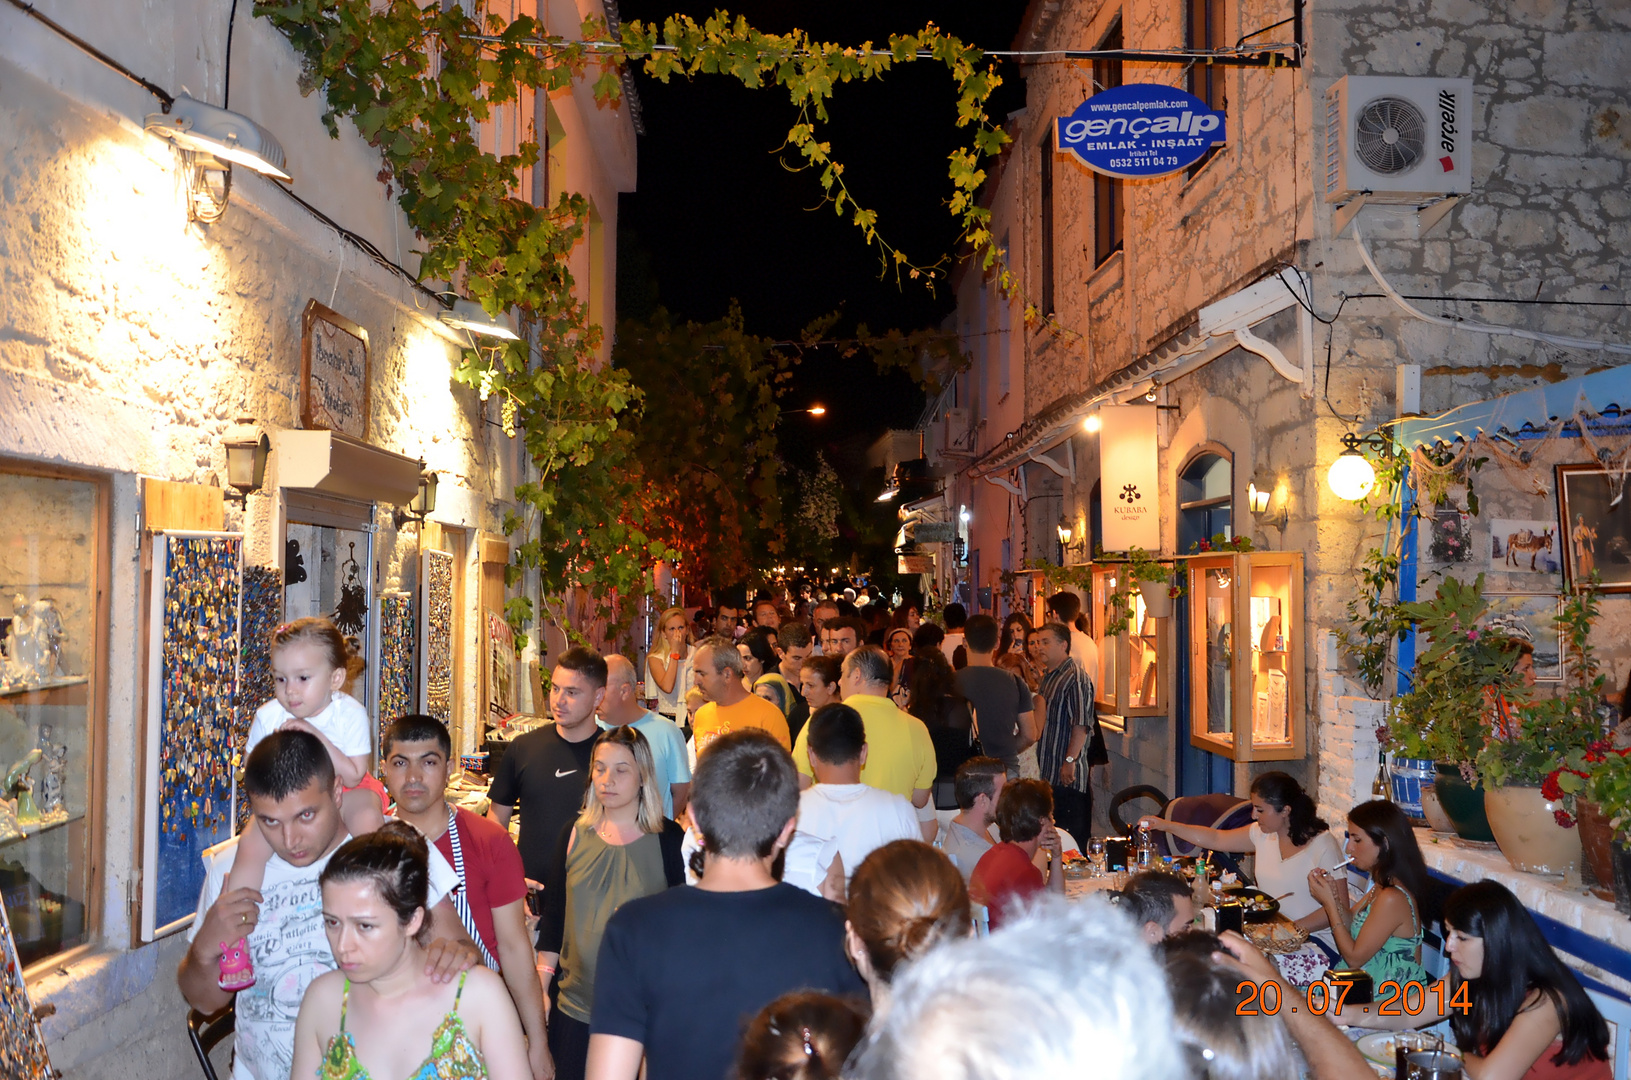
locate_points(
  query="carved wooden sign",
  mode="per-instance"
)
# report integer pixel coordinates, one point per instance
(333, 372)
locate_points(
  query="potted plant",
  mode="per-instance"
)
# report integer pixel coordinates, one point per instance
(1152, 578)
(1441, 717)
(1606, 792)
(1537, 833)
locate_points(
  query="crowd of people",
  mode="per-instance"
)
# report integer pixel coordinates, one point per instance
(802, 844)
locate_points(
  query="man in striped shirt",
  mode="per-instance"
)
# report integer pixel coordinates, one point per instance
(1067, 733)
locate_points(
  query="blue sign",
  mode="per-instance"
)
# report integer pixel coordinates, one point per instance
(1139, 130)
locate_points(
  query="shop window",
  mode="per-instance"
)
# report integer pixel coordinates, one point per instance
(1045, 225)
(50, 706)
(1204, 29)
(1205, 500)
(328, 572)
(1107, 190)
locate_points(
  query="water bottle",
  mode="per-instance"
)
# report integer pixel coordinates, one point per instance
(1145, 848)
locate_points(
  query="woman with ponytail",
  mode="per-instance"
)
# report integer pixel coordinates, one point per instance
(381, 1015)
(904, 898)
(801, 1036)
(1289, 841)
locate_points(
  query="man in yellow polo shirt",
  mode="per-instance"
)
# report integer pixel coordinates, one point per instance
(899, 753)
(716, 670)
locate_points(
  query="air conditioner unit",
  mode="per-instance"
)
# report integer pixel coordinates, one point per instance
(1397, 139)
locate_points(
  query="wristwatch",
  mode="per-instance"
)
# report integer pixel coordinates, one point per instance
(1070, 759)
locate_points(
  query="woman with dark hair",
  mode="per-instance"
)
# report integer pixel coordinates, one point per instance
(761, 668)
(908, 615)
(380, 1014)
(1516, 1011)
(898, 644)
(801, 1036)
(1383, 934)
(934, 699)
(1014, 650)
(1288, 839)
(904, 898)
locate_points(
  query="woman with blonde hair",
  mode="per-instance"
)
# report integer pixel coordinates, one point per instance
(619, 849)
(905, 898)
(668, 665)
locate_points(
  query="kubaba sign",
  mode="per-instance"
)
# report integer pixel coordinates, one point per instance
(1139, 130)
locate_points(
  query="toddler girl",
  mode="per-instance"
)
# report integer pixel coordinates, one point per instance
(310, 662)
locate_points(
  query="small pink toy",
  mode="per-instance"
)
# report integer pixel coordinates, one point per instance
(237, 969)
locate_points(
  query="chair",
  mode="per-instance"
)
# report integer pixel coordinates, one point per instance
(207, 1032)
(1216, 811)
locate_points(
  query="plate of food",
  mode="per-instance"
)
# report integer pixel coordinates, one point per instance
(1075, 863)
(1379, 1046)
(1258, 906)
(1276, 936)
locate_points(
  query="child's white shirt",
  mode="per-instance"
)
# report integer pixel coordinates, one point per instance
(344, 722)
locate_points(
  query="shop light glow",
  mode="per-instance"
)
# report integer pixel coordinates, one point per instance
(1351, 476)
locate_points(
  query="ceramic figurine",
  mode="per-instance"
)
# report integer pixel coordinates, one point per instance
(48, 639)
(17, 781)
(54, 785)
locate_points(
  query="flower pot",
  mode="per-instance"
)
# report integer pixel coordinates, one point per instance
(1622, 876)
(1597, 840)
(1407, 775)
(1525, 826)
(1157, 598)
(1463, 804)
(1433, 811)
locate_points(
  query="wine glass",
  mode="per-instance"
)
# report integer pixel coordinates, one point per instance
(1096, 855)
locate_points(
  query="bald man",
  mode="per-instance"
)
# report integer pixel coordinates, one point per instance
(621, 708)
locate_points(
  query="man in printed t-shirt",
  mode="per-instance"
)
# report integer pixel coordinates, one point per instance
(545, 771)
(295, 798)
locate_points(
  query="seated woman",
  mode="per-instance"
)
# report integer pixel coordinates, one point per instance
(381, 1015)
(619, 849)
(1289, 840)
(1007, 875)
(804, 1035)
(1383, 932)
(904, 899)
(1516, 1011)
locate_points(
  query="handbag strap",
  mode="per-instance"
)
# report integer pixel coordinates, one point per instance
(460, 896)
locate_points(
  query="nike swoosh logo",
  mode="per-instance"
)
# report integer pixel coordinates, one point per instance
(568, 772)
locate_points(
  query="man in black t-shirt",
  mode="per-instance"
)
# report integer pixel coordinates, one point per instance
(544, 772)
(682, 972)
(1002, 702)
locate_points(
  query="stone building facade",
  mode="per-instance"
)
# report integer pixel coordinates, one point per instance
(132, 340)
(1537, 245)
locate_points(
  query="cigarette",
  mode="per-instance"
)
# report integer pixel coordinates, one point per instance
(1340, 865)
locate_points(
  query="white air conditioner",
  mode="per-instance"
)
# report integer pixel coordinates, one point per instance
(1397, 139)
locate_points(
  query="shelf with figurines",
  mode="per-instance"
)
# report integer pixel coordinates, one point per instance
(22, 814)
(32, 659)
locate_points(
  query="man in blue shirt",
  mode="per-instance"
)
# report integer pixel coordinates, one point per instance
(621, 707)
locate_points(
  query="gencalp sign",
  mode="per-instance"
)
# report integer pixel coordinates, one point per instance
(1139, 130)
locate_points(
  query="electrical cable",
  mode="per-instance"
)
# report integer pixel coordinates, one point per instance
(226, 78)
(165, 97)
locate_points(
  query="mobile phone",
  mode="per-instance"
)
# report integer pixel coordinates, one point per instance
(535, 902)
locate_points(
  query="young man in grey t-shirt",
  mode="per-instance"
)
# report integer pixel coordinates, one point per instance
(1002, 701)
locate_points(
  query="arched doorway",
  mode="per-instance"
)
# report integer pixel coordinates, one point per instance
(1205, 499)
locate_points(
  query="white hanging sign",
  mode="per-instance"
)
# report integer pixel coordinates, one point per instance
(1129, 479)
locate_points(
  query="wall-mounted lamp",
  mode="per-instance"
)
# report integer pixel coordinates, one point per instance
(1258, 500)
(963, 515)
(1352, 475)
(212, 140)
(471, 317)
(247, 449)
(1092, 423)
(1064, 532)
(423, 504)
(1153, 392)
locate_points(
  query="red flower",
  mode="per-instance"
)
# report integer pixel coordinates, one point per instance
(1203, 545)
(1562, 818)
(1549, 789)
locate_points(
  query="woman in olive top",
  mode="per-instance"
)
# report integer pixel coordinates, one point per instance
(620, 848)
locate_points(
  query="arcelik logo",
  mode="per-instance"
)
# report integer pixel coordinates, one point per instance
(1130, 493)
(1446, 129)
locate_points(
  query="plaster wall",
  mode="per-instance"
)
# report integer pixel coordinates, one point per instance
(130, 341)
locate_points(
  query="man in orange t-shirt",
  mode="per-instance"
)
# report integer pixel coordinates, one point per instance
(716, 669)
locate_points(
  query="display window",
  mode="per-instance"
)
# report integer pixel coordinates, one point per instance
(1245, 642)
(1132, 664)
(51, 620)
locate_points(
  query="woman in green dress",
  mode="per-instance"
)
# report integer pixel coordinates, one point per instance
(1382, 932)
(381, 1015)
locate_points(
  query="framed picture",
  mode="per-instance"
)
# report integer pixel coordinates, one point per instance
(1525, 547)
(333, 372)
(1537, 613)
(1595, 528)
(1449, 536)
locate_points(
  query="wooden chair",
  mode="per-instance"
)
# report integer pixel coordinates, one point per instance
(207, 1032)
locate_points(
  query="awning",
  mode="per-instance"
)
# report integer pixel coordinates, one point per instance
(1598, 393)
(331, 462)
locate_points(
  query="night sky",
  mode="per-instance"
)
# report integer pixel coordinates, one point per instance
(719, 217)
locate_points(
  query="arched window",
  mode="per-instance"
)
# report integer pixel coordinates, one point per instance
(1205, 499)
